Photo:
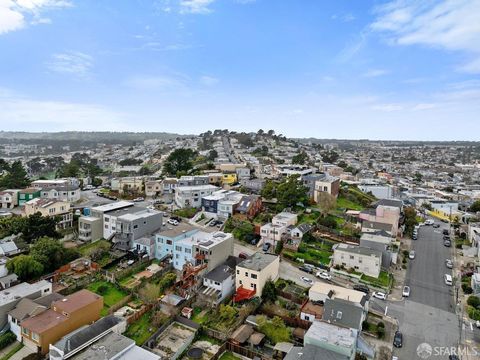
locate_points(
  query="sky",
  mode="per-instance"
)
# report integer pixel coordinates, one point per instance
(405, 70)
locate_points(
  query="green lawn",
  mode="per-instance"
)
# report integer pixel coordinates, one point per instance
(141, 330)
(228, 356)
(110, 297)
(12, 352)
(85, 249)
(310, 255)
(343, 203)
(199, 319)
(383, 280)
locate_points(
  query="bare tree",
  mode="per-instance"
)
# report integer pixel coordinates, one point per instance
(326, 203)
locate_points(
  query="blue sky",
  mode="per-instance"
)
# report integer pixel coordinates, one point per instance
(328, 69)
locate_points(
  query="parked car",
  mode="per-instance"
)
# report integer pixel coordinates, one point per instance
(306, 269)
(179, 219)
(324, 275)
(414, 237)
(398, 339)
(447, 243)
(449, 263)
(266, 247)
(243, 255)
(307, 280)
(436, 226)
(446, 237)
(172, 221)
(139, 199)
(379, 295)
(362, 288)
(254, 242)
(213, 223)
(411, 255)
(448, 279)
(406, 291)
(445, 232)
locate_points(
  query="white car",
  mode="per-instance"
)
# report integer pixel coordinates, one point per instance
(411, 255)
(324, 275)
(406, 291)
(139, 199)
(379, 295)
(307, 280)
(429, 222)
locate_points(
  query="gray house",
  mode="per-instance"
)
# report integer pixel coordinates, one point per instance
(344, 313)
(380, 241)
(132, 226)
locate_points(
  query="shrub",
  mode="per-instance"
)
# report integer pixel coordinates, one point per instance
(102, 289)
(405, 253)
(473, 313)
(381, 325)
(328, 222)
(7, 339)
(404, 266)
(381, 332)
(467, 289)
(473, 301)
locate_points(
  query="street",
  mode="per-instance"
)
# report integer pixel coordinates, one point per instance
(428, 315)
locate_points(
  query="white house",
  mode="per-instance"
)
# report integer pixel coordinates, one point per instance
(361, 259)
(191, 196)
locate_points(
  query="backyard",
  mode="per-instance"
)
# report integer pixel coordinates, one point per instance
(141, 330)
(98, 251)
(111, 294)
(316, 253)
(383, 281)
(228, 356)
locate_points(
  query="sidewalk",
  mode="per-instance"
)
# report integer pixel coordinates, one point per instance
(399, 274)
(6, 350)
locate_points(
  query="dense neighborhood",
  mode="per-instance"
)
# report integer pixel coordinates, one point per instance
(231, 245)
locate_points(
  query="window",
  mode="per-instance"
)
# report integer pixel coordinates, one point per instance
(178, 248)
(352, 257)
(360, 260)
(238, 272)
(217, 283)
(188, 251)
(106, 226)
(25, 331)
(107, 219)
(240, 282)
(169, 242)
(254, 276)
(177, 256)
(339, 314)
(246, 273)
(135, 226)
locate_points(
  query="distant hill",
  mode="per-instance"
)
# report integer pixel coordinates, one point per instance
(89, 136)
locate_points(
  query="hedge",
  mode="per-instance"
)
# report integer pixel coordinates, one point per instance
(7, 339)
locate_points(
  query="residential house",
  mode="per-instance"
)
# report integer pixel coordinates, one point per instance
(344, 313)
(135, 225)
(66, 193)
(253, 273)
(110, 219)
(229, 178)
(101, 340)
(300, 230)
(8, 246)
(191, 196)
(91, 227)
(329, 185)
(167, 238)
(169, 185)
(27, 194)
(321, 291)
(361, 259)
(243, 173)
(253, 185)
(193, 180)
(250, 206)
(46, 184)
(380, 241)
(309, 181)
(278, 229)
(219, 283)
(8, 199)
(64, 316)
(380, 191)
(215, 178)
(473, 235)
(153, 188)
(51, 207)
(201, 248)
(23, 310)
(375, 227)
(145, 246)
(386, 214)
(8, 281)
(133, 184)
(311, 311)
(221, 203)
(10, 297)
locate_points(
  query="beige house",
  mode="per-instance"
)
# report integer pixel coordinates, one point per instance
(253, 273)
(133, 184)
(153, 188)
(329, 185)
(51, 207)
(359, 258)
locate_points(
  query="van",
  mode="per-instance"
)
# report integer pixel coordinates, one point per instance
(448, 280)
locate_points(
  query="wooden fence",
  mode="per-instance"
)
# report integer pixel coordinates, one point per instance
(119, 304)
(240, 350)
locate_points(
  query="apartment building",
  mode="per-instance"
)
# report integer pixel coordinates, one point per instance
(191, 196)
(329, 185)
(361, 259)
(193, 180)
(64, 316)
(280, 226)
(91, 227)
(169, 185)
(47, 184)
(51, 207)
(167, 238)
(219, 283)
(386, 214)
(8, 199)
(252, 274)
(221, 203)
(134, 225)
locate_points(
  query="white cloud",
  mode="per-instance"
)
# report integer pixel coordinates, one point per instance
(195, 6)
(375, 73)
(71, 62)
(15, 15)
(24, 113)
(208, 80)
(451, 25)
(425, 106)
(353, 47)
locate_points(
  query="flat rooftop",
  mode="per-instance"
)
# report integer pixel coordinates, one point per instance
(22, 290)
(332, 334)
(205, 240)
(112, 206)
(258, 261)
(339, 292)
(172, 339)
(144, 213)
(172, 231)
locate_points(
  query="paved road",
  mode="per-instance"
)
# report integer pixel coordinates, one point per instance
(428, 315)
(425, 273)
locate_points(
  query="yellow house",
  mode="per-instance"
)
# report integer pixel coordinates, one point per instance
(51, 207)
(229, 178)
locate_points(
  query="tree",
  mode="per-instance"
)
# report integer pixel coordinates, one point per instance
(410, 215)
(149, 293)
(167, 281)
(473, 301)
(475, 206)
(342, 164)
(179, 161)
(16, 178)
(227, 313)
(51, 253)
(269, 190)
(275, 330)
(37, 226)
(428, 206)
(301, 158)
(269, 292)
(291, 191)
(330, 156)
(326, 203)
(130, 162)
(25, 266)
(212, 155)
